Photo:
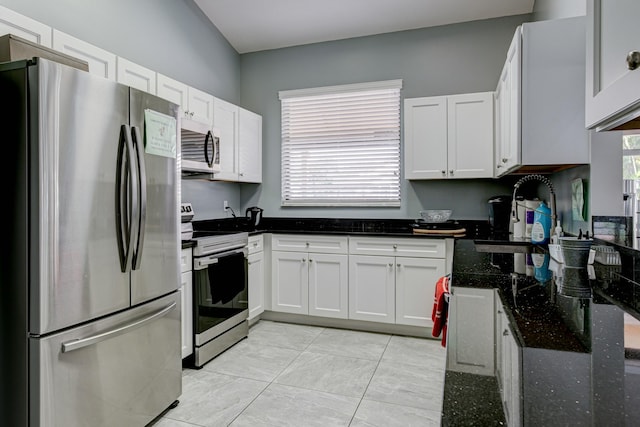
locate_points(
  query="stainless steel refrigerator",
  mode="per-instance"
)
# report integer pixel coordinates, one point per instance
(89, 303)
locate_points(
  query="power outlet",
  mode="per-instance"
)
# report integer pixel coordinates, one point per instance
(226, 205)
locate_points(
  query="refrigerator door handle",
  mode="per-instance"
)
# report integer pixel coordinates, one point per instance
(138, 145)
(77, 344)
(125, 200)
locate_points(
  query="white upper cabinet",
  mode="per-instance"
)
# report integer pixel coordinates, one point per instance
(470, 135)
(425, 137)
(507, 109)
(449, 136)
(101, 62)
(136, 76)
(249, 146)
(172, 90)
(240, 142)
(196, 104)
(225, 118)
(24, 27)
(613, 82)
(540, 99)
(200, 105)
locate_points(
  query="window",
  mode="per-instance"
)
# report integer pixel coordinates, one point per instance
(341, 145)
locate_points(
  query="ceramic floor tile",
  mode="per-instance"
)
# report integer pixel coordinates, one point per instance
(342, 342)
(378, 414)
(348, 376)
(167, 422)
(403, 384)
(254, 361)
(211, 400)
(423, 352)
(285, 335)
(283, 406)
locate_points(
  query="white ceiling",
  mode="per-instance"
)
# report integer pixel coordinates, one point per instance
(254, 25)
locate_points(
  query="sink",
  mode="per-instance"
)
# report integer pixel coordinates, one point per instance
(497, 246)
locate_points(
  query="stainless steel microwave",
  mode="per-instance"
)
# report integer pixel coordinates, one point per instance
(200, 146)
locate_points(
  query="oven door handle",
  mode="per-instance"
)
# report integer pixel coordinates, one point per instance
(200, 263)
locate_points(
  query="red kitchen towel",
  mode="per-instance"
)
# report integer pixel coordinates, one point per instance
(440, 309)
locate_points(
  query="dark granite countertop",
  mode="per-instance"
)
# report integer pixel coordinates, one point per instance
(554, 308)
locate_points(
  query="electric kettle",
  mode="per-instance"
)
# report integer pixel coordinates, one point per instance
(254, 215)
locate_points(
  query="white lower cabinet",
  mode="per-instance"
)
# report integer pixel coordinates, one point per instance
(186, 300)
(308, 282)
(372, 288)
(256, 270)
(508, 362)
(470, 335)
(415, 288)
(392, 280)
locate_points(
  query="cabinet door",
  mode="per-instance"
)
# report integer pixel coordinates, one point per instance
(372, 288)
(509, 99)
(471, 331)
(290, 282)
(249, 146)
(172, 90)
(612, 32)
(328, 285)
(200, 106)
(136, 76)
(101, 62)
(470, 135)
(225, 118)
(256, 284)
(425, 138)
(511, 386)
(186, 301)
(415, 288)
(24, 27)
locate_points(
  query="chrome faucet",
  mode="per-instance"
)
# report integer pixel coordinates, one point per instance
(552, 201)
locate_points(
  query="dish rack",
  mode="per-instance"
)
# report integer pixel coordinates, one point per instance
(607, 255)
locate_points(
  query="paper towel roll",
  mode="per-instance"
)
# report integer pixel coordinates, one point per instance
(530, 206)
(519, 263)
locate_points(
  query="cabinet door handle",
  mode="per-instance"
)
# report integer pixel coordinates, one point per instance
(504, 160)
(395, 246)
(506, 332)
(310, 260)
(444, 172)
(302, 260)
(633, 60)
(390, 264)
(398, 265)
(450, 171)
(498, 166)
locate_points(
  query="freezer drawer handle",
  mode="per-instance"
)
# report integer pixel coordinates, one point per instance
(103, 336)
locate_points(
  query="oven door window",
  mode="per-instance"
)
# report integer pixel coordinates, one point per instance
(221, 291)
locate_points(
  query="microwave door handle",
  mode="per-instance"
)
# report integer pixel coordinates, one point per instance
(206, 149)
(141, 220)
(123, 201)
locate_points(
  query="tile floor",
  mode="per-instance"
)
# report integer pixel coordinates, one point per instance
(295, 375)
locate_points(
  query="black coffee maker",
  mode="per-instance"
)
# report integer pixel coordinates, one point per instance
(500, 214)
(254, 215)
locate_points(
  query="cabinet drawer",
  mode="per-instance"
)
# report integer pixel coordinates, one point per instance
(185, 260)
(310, 243)
(256, 244)
(410, 247)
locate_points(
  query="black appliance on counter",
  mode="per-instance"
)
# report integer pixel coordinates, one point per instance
(500, 214)
(254, 216)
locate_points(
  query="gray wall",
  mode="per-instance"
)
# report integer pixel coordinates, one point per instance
(459, 58)
(172, 37)
(556, 9)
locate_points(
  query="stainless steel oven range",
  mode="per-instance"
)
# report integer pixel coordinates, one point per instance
(220, 303)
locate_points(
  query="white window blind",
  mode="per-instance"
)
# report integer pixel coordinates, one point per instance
(341, 145)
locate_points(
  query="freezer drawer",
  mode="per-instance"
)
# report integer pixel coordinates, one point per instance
(120, 371)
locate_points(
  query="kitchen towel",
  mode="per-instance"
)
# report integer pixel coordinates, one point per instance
(441, 309)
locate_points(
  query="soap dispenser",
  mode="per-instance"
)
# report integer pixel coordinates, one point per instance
(541, 225)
